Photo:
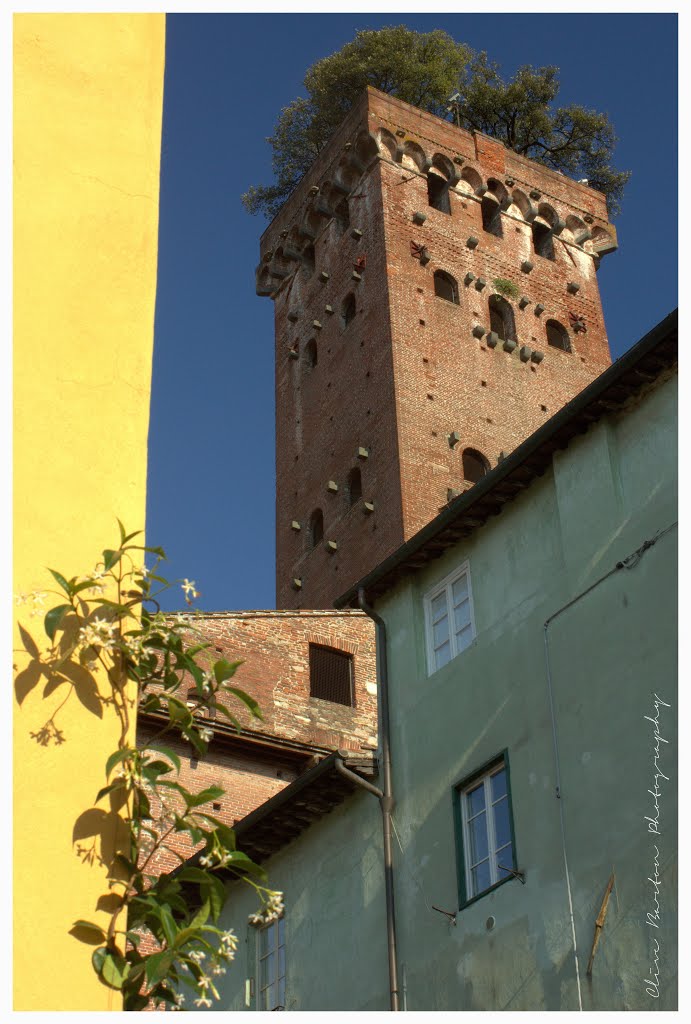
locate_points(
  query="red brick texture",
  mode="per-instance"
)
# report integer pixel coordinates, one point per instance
(408, 372)
(255, 765)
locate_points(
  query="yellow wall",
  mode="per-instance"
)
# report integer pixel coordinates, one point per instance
(88, 93)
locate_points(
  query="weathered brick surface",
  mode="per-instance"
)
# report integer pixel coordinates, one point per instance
(407, 371)
(274, 648)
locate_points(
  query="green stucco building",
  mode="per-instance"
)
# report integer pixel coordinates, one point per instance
(530, 640)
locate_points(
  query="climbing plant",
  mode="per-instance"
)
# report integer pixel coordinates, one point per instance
(110, 646)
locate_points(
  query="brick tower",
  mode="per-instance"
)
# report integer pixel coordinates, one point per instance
(436, 301)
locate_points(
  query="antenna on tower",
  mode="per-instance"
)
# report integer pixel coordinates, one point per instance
(453, 102)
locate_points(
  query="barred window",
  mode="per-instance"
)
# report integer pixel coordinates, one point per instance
(331, 675)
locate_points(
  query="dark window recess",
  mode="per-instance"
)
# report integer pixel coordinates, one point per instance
(316, 530)
(438, 193)
(342, 214)
(558, 336)
(347, 310)
(501, 318)
(354, 485)
(311, 354)
(491, 217)
(475, 465)
(445, 286)
(542, 241)
(331, 675)
(308, 259)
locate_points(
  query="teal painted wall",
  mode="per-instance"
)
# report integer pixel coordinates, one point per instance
(334, 917)
(611, 490)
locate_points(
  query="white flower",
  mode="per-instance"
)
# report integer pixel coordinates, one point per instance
(202, 1001)
(203, 982)
(205, 862)
(218, 969)
(206, 734)
(21, 598)
(188, 587)
(98, 633)
(179, 998)
(199, 955)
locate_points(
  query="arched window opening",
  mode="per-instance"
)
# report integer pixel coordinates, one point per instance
(438, 193)
(558, 336)
(501, 318)
(491, 216)
(542, 240)
(316, 530)
(354, 485)
(342, 214)
(347, 310)
(475, 465)
(445, 286)
(308, 259)
(311, 354)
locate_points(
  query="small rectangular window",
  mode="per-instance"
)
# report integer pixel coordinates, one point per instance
(331, 675)
(450, 624)
(485, 831)
(271, 966)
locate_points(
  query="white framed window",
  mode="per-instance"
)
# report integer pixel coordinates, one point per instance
(487, 831)
(271, 966)
(449, 619)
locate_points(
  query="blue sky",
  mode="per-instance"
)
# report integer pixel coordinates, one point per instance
(211, 443)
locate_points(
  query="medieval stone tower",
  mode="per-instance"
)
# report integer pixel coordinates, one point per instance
(436, 301)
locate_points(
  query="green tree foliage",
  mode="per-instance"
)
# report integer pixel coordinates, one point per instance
(426, 69)
(520, 113)
(419, 68)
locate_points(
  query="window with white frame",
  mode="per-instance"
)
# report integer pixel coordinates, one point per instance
(487, 850)
(271, 966)
(449, 618)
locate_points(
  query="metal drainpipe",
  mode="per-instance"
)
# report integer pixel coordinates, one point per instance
(386, 801)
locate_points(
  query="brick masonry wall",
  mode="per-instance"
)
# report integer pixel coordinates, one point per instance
(407, 372)
(274, 648)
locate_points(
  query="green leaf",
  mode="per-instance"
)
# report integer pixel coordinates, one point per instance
(53, 619)
(158, 965)
(178, 712)
(134, 1001)
(170, 929)
(204, 796)
(122, 532)
(67, 587)
(193, 736)
(214, 891)
(242, 862)
(201, 917)
(118, 784)
(248, 701)
(152, 770)
(116, 757)
(111, 558)
(224, 711)
(192, 874)
(225, 669)
(82, 586)
(166, 751)
(112, 967)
